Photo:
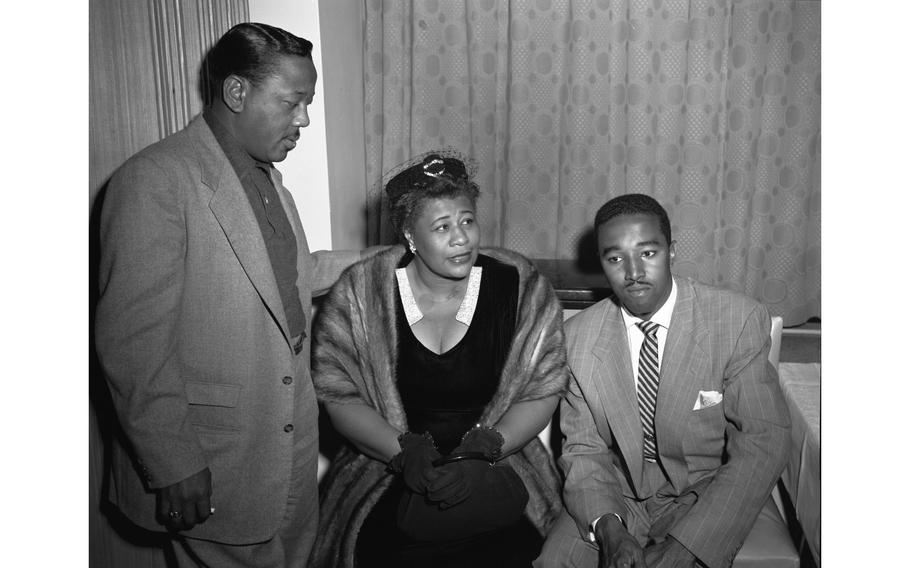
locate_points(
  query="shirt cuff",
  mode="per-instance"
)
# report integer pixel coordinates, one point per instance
(593, 525)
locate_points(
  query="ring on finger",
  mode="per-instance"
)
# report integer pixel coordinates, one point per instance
(175, 515)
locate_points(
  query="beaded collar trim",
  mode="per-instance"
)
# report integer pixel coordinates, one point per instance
(468, 304)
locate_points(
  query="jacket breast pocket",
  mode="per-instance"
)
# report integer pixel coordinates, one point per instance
(706, 428)
(214, 406)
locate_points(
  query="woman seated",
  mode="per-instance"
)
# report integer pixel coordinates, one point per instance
(439, 362)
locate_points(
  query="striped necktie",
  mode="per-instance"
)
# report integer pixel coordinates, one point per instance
(648, 377)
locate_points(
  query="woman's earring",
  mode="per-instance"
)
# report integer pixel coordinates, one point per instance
(413, 248)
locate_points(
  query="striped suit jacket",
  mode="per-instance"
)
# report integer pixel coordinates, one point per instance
(718, 341)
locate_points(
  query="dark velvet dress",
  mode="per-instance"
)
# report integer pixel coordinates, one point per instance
(445, 394)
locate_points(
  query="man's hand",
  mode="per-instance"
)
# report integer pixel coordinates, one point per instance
(618, 549)
(669, 553)
(185, 504)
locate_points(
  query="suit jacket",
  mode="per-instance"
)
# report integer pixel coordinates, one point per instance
(192, 337)
(731, 453)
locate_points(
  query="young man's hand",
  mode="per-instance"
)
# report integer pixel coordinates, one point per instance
(618, 548)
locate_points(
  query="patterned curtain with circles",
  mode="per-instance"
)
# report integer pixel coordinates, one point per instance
(710, 106)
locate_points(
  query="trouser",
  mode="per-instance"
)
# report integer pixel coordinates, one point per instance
(289, 548)
(647, 520)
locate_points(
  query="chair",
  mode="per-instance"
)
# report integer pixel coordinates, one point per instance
(769, 543)
(777, 327)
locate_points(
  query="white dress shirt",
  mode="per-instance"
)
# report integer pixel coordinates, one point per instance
(637, 336)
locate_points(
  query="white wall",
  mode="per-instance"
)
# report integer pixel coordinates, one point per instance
(305, 170)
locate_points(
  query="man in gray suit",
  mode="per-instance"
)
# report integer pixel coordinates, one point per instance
(675, 426)
(202, 326)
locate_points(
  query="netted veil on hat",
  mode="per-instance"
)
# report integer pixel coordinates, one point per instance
(425, 169)
(405, 183)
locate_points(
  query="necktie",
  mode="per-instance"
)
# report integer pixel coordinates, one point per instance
(648, 377)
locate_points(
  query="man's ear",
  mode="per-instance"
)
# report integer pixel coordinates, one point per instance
(233, 92)
(671, 250)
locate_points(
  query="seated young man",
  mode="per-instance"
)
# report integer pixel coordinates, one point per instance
(676, 429)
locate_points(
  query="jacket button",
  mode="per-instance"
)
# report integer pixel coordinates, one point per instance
(287, 380)
(289, 428)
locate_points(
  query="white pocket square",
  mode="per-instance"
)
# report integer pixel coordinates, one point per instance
(707, 399)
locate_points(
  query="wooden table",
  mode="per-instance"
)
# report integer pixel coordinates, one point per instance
(577, 285)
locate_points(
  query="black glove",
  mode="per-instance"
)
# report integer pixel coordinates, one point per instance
(456, 481)
(462, 470)
(415, 461)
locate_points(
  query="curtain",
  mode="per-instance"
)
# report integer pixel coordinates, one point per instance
(710, 106)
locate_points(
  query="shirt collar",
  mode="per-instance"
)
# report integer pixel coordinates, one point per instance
(240, 160)
(465, 311)
(661, 317)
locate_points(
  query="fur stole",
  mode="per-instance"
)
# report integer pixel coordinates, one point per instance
(354, 361)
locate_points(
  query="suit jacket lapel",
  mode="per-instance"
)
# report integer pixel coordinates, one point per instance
(615, 384)
(232, 209)
(684, 359)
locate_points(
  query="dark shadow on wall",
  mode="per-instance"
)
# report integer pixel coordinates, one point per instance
(586, 255)
(206, 89)
(378, 232)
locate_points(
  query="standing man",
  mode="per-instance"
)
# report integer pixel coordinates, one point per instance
(203, 319)
(676, 429)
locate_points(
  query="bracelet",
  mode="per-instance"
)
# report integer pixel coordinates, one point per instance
(426, 436)
(481, 428)
(494, 453)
